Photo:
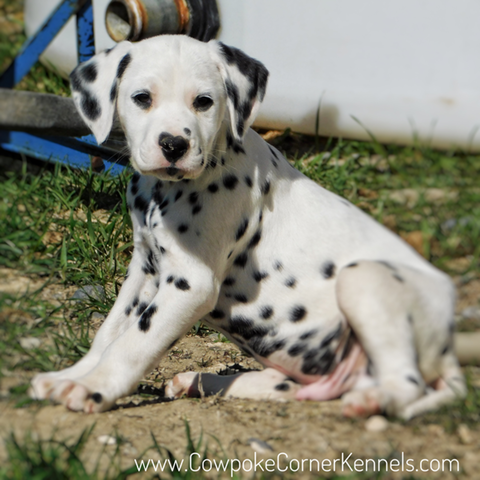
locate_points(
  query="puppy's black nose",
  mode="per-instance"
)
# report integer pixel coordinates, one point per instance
(173, 148)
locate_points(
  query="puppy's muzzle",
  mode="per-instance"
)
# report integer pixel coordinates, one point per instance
(173, 148)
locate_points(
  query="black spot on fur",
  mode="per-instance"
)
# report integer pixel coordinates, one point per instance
(182, 228)
(307, 335)
(241, 229)
(90, 106)
(296, 349)
(396, 276)
(445, 349)
(229, 281)
(149, 266)
(387, 264)
(217, 314)
(173, 343)
(266, 312)
(230, 181)
(141, 308)
(182, 284)
(333, 335)
(240, 325)
(264, 348)
(178, 195)
(196, 209)
(140, 204)
(193, 198)
(135, 302)
(145, 319)
(89, 72)
(97, 397)
(297, 313)
(170, 279)
(328, 270)
(258, 276)
(164, 204)
(122, 66)
(128, 311)
(134, 189)
(241, 260)
(187, 131)
(248, 181)
(113, 91)
(254, 241)
(212, 188)
(350, 265)
(266, 187)
(212, 163)
(136, 177)
(412, 379)
(282, 387)
(291, 282)
(278, 266)
(240, 297)
(318, 363)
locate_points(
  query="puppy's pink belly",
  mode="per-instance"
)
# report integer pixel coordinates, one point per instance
(327, 387)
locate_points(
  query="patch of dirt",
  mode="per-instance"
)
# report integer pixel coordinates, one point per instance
(301, 430)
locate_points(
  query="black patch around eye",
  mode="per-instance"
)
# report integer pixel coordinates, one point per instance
(202, 103)
(142, 100)
(89, 72)
(122, 66)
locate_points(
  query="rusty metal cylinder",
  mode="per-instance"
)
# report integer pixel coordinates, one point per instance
(138, 19)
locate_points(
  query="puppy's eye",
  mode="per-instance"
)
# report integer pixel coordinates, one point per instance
(142, 99)
(202, 103)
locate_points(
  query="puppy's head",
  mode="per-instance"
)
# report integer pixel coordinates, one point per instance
(172, 95)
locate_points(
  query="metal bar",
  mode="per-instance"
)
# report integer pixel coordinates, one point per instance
(85, 34)
(71, 151)
(35, 45)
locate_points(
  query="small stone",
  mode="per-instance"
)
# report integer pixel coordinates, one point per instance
(464, 434)
(107, 440)
(259, 445)
(29, 343)
(96, 292)
(96, 316)
(376, 423)
(471, 313)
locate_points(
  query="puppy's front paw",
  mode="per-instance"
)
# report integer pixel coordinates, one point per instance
(362, 403)
(42, 385)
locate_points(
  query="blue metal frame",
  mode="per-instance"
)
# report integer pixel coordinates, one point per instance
(74, 151)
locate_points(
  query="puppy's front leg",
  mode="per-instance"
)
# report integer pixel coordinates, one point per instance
(138, 289)
(179, 303)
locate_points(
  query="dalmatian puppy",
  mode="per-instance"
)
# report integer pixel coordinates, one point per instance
(226, 231)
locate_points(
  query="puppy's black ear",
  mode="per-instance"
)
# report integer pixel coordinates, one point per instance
(95, 86)
(245, 81)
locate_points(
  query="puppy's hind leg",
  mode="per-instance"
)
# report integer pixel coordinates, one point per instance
(268, 384)
(395, 312)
